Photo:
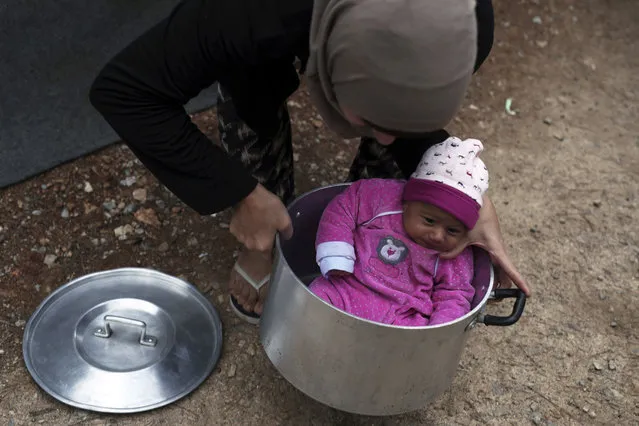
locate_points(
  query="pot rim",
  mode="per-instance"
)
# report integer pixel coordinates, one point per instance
(473, 312)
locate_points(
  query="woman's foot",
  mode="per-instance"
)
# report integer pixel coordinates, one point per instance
(256, 267)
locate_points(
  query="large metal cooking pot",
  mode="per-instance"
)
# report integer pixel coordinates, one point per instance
(352, 364)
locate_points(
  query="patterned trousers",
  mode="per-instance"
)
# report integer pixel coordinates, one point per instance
(270, 160)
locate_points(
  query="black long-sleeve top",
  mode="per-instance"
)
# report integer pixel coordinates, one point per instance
(249, 47)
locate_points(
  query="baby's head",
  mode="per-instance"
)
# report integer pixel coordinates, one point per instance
(443, 197)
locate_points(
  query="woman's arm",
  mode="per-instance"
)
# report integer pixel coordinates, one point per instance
(485, 30)
(141, 93)
(142, 90)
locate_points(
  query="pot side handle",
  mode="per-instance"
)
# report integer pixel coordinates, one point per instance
(518, 307)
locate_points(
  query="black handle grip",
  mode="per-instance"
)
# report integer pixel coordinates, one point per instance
(518, 308)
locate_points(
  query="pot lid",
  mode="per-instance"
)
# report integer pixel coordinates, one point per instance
(122, 341)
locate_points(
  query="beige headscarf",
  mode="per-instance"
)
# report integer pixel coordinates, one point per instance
(403, 65)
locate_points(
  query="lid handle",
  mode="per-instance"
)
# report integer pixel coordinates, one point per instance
(105, 332)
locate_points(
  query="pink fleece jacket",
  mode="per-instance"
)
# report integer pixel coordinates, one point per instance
(392, 279)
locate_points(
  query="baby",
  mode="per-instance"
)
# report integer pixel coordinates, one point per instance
(378, 242)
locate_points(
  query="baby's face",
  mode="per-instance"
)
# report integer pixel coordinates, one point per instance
(432, 227)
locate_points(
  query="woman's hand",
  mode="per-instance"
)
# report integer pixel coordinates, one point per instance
(258, 217)
(487, 235)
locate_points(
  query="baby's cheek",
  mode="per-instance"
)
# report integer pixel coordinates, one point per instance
(413, 225)
(456, 240)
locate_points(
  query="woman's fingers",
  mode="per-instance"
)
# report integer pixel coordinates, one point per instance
(451, 254)
(507, 274)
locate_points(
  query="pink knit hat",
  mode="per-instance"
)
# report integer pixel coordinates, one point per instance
(452, 177)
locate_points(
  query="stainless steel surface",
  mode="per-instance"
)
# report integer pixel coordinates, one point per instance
(345, 362)
(122, 341)
(106, 332)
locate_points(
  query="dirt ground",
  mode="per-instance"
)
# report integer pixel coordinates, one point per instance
(564, 178)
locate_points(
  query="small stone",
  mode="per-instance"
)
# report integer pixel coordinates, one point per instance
(317, 123)
(541, 43)
(65, 213)
(537, 419)
(534, 230)
(562, 221)
(224, 225)
(547, 121)
(296, 157)
(36, 212)
(613, 324)
(592, 414)
(139, 195)
(1, 351)
(613, 394)
(89, 208)
(612, 365)
(191, 242)
(600, 278)
(232, 370)
(130, 180)
(473, 107)
(241, 343)
(130, 208)
(122, 231)
(50, 259)
(537, 20)
(597, 365)
(95, 241)
(163, 247)
(20, 323)
(602, 295)
(88, 187)
(109, 205)
(250, 350)
(590, 63)
(558, 136)
(596, 203)
(147, 216)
